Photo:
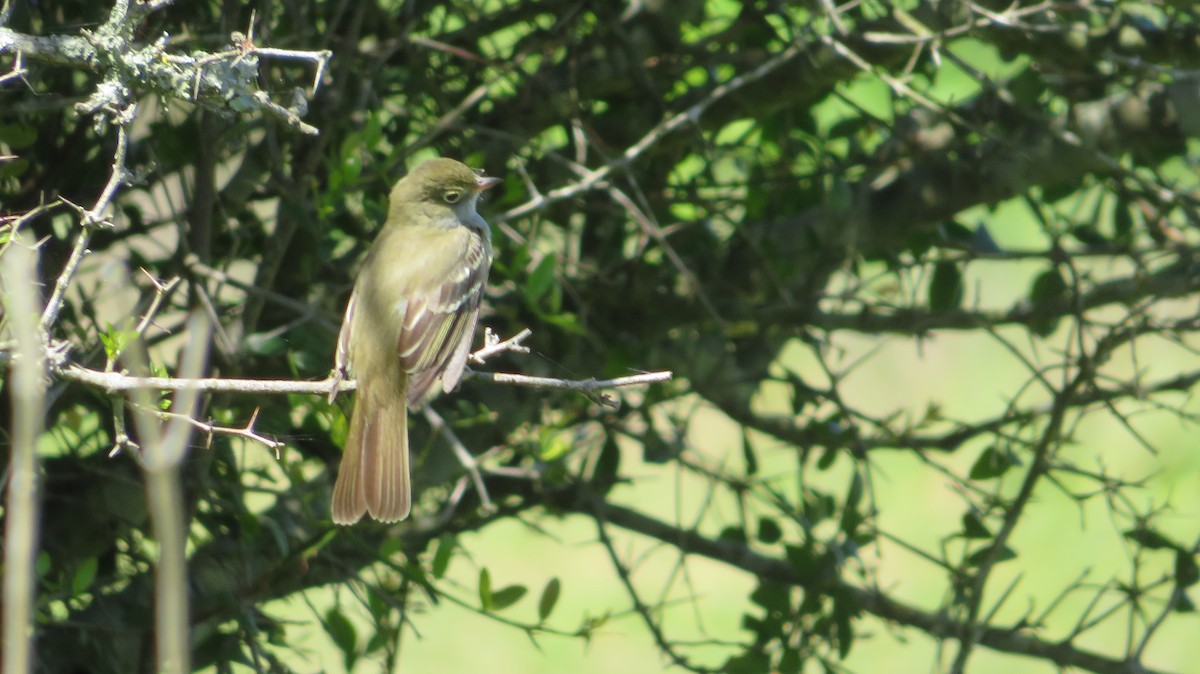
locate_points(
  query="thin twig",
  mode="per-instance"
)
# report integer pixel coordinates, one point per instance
(639, 607)
(439, 425)
(493, 345)
(18, 71)
(89, 221)
(210, 429)
(582, 385)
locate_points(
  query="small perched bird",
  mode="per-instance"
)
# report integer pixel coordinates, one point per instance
(409, 324)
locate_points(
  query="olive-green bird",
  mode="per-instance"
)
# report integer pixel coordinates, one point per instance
(409, 324)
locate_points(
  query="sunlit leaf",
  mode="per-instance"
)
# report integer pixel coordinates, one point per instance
(549, 599)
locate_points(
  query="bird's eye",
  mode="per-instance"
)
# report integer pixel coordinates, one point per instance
(452, 196)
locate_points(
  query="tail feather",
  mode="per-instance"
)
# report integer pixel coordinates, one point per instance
(385, 463)
(374, 473)
(349, 499)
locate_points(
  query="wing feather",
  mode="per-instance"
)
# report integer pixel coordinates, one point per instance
(439, 321)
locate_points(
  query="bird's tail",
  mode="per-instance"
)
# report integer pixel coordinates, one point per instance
(373, 478)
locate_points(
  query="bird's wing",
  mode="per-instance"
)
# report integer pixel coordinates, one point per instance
(341, 356)
(439, 321)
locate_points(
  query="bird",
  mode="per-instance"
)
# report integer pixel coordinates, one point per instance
(408, 327)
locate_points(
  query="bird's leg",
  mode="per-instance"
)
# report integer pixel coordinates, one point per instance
(336, 376)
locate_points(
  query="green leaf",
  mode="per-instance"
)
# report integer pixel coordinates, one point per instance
(956, 233)
(565, 321)
(554, 445)
(750, 662)
(1048, 288)
(829, 454)
(733, 533)
(844, 610)
(993, 463)
(14, 168)
(790, 662)
(85, 575)
(377, 604)
(1151, 539)
(818, 506)
(1088, 236)
(608, 466)
(485, 589)
(976, 558)
(549, 598)
(265, 343)
(946, 287)
(1186, 572)
(803, 395)
(507, 596)
(768, 530)
(391, 547)
(1185, 604)
(541, 278)
(973, 526)
(804, 559)
(115, 340)
(851, 517)
(378, 641)
(774, 597)
(748, 454)
(345, 637)
(1122, 222)
(654, 448)
(372, 133)
(18, 136)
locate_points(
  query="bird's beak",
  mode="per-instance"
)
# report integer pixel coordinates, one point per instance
(484, 182)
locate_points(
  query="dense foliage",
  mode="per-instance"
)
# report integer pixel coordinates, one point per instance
(925, 273)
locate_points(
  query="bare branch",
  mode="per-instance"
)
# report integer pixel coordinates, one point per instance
(115, 381)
